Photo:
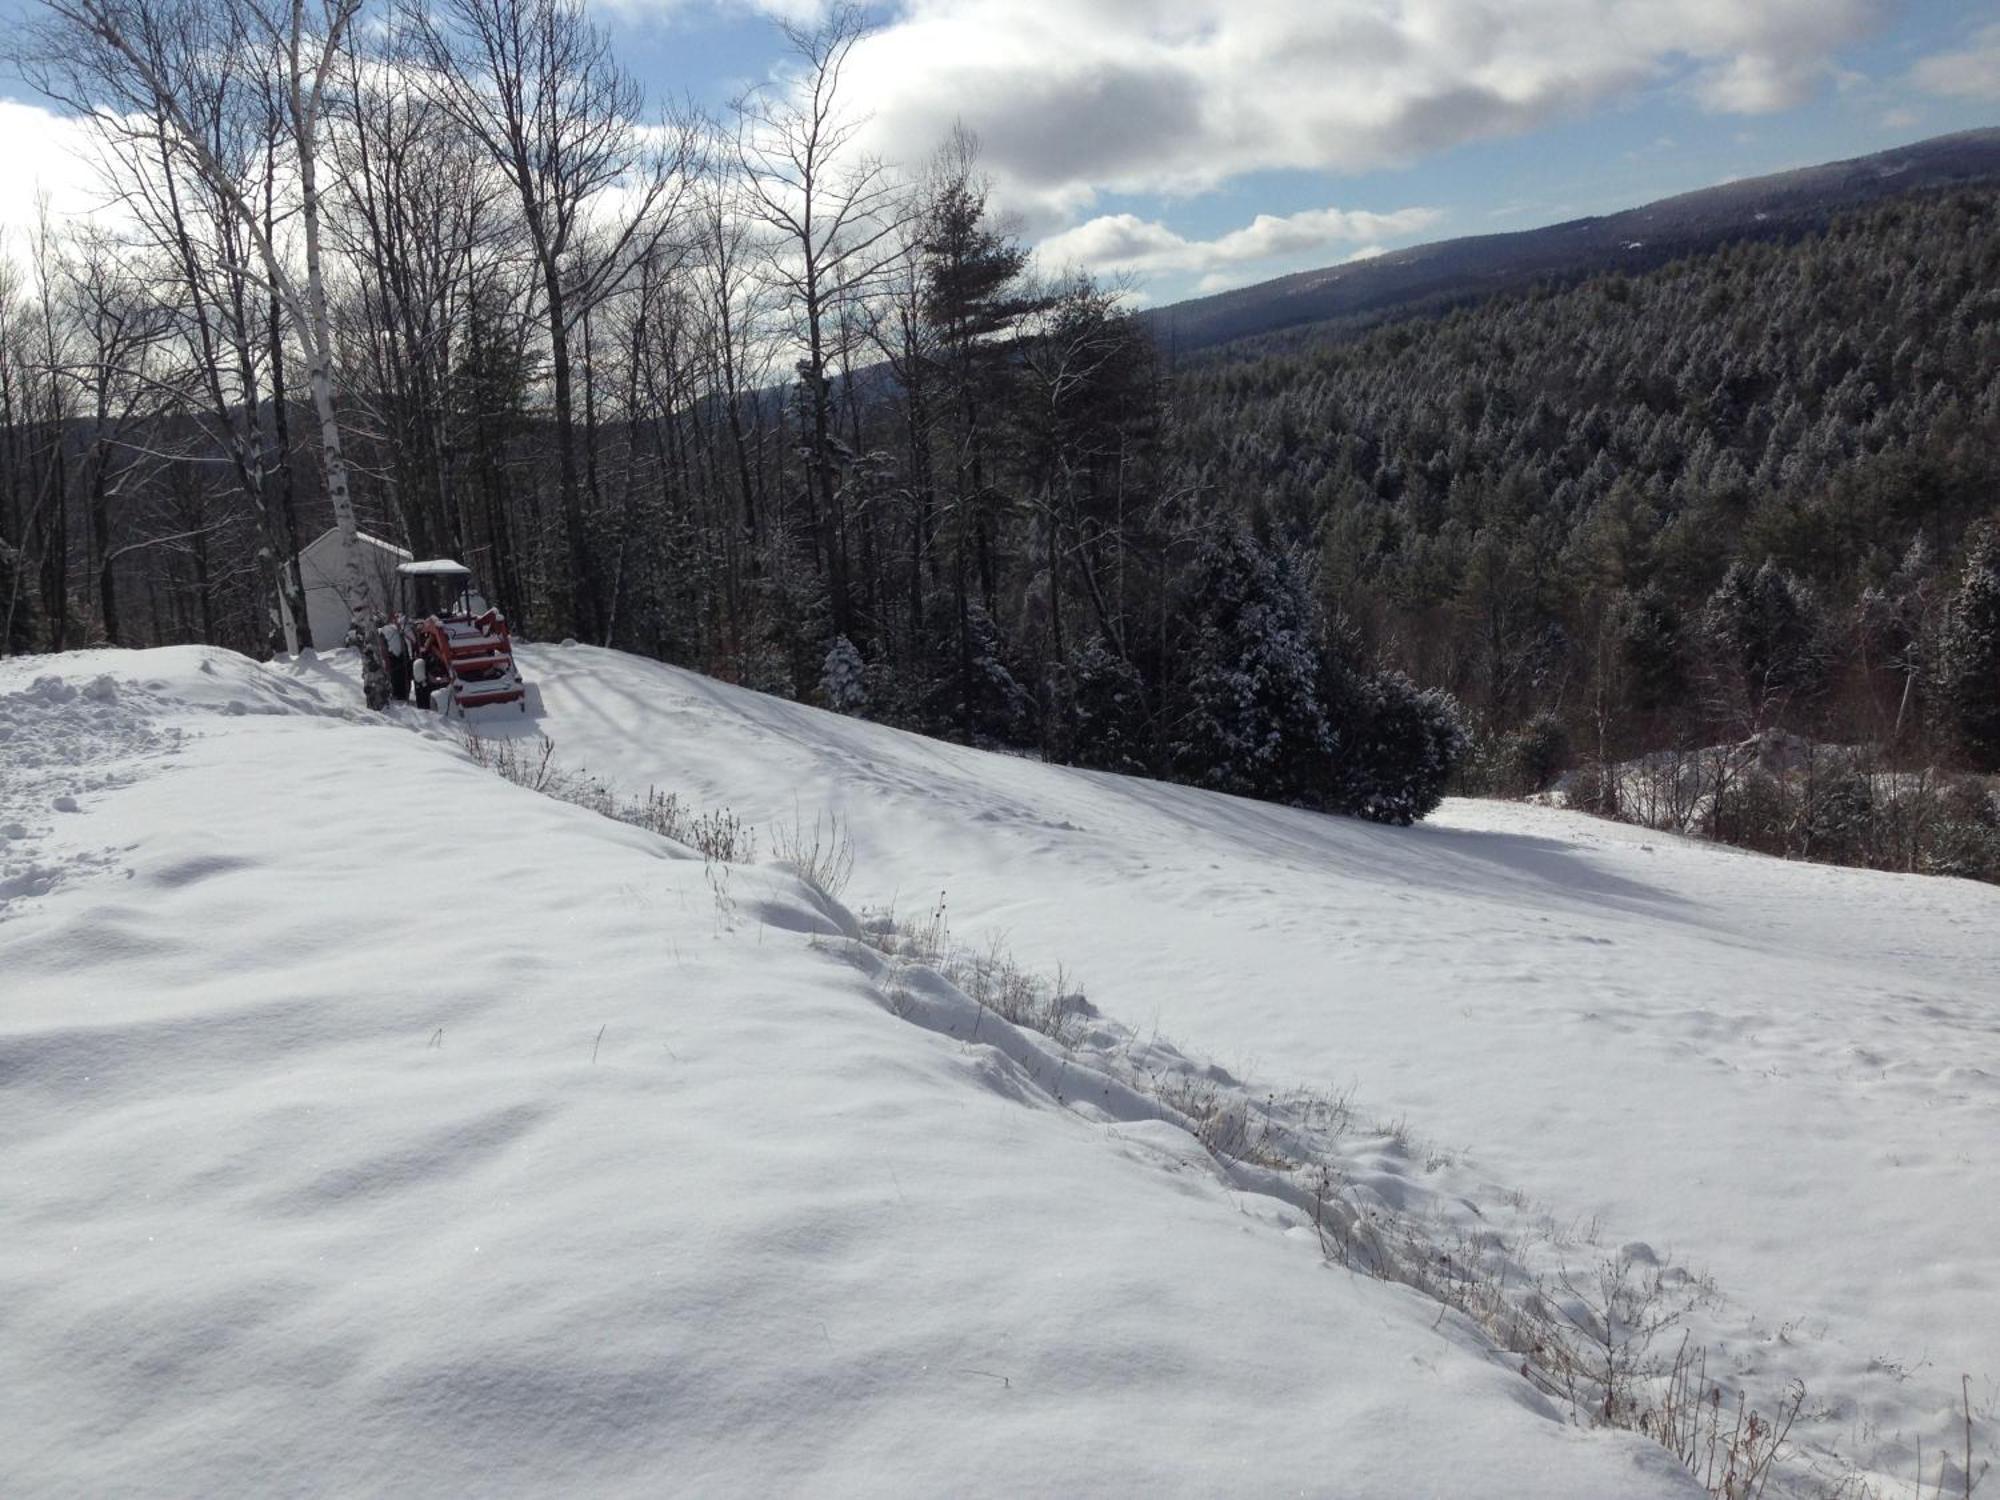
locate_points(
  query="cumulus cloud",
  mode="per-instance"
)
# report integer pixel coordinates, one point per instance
(803, 12)
(1972, 73)
(1075, 97)
(1114, 243)
(49, 157)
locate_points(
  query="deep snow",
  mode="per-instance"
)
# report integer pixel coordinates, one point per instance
(1786, 1076)
(313, 1182)
(369, 1125)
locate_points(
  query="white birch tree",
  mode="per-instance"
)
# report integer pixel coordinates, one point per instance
(146, 72)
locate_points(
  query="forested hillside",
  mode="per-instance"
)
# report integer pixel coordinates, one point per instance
(1568, 501)
(1778, 208)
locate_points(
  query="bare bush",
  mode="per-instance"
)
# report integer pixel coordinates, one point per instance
(718, 836)
(823, 855)
(534, 769)
(1792, 798)
(1591, 1341)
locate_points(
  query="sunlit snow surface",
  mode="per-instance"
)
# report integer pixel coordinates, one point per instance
(369, 1125)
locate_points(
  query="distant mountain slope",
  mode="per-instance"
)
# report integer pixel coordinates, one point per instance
(1781, 205)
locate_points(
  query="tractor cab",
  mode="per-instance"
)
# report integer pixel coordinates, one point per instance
(461, 650)
(439, 587)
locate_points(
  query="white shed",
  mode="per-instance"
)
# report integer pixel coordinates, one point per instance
(328, 610)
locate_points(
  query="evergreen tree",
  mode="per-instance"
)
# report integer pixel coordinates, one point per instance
(1103, 706)
(1648, 631)
(998, 710)
(843, 680)
(1766, 623)
(1398, 746)
(1254, 723)
(1969, 651)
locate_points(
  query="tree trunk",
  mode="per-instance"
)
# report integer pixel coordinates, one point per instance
(100, 546)
(581, 613)
(832, 542)
(333, 456)
(285, 533)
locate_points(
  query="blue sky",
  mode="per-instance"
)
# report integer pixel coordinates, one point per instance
(1195, 144)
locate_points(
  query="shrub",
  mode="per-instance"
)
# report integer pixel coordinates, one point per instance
(1594, 789)
(1397, 748)
(1533, 756)
(1753, 811)
(1965, 839)
(1839, 818)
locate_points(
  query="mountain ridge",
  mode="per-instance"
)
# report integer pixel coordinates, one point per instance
(1444, 273)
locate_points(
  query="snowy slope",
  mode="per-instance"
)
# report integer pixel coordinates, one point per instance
(1786, 1076)
(369, 1125)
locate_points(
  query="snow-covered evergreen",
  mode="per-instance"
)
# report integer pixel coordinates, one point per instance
(843, 683)
(1969, 651)
(1103, 710)
(1398, 746)
(997, 709)
(1255, 724)
(1766, 624)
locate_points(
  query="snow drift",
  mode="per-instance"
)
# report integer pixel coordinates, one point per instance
(370, 1124)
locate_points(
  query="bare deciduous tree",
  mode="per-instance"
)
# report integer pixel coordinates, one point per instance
(151, 73)
(535, 83)
(832, 214)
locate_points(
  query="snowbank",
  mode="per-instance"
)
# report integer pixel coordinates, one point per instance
(370, 1125)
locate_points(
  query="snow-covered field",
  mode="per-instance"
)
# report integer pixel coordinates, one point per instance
(370, 1125)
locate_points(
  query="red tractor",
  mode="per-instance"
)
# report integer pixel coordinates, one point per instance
(445, 644)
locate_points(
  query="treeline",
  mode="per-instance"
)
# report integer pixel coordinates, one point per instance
(733, 393)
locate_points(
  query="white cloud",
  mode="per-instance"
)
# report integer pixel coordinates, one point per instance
(1076, 97)
(1757, 84)
(48, 156)
(1973, 73)
(1115, 243)
(802, 12)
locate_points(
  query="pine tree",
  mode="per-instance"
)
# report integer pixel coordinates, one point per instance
(1648, 634)
(842, 681)
(1103, 711)
(1969, 651)
(1766, 622)
(1398, 745)
(998, 710)
(1254, 723)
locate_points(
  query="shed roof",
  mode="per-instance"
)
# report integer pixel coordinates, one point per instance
(332, 534)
